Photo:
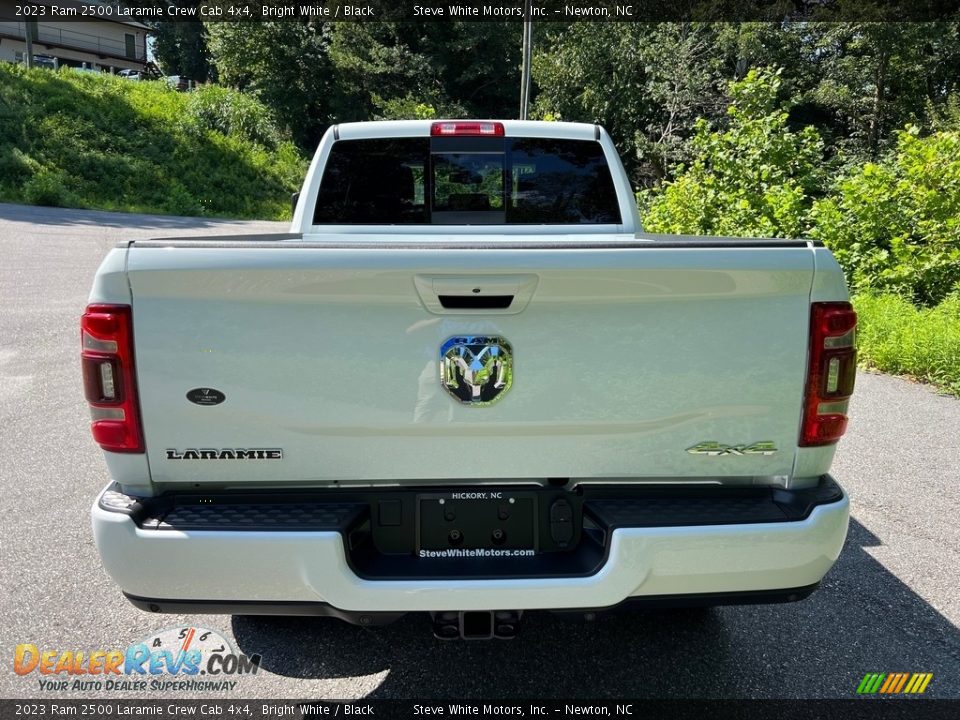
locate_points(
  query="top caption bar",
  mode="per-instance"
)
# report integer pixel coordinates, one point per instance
(541, 11)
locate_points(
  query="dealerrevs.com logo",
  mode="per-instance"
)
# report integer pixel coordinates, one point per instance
(185, 659)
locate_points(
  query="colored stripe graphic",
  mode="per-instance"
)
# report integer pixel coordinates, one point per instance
(921, 686)
(894, 683)
(901, 683)
(870, 683)
(891, 682)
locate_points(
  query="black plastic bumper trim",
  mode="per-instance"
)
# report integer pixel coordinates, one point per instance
(668, 506)
(322, 609)
(257, 607)
(694, 600)
(239, 511)
(338, 510)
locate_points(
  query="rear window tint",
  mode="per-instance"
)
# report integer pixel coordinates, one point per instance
(374, 182)
(560, 181)
(466, 181)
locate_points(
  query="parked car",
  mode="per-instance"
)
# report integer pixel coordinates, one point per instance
(178, 82)
(131, 74)
(45, 61)
(467, 383)
(87, 69)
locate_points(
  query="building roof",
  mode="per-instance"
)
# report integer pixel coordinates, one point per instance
(106, 18)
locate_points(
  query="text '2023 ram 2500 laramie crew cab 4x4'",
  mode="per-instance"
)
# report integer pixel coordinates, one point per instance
(467, 383)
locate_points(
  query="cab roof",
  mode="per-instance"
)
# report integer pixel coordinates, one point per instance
(421, 128)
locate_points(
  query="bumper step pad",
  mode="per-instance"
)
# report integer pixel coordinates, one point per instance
(240, 512)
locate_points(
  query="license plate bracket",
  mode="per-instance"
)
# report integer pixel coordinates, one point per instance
(484, 519)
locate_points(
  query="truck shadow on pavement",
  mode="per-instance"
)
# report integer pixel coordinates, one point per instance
(66, 217)
(863, 619)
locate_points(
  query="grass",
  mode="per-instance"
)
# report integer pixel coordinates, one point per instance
(87, 140)
(895, 336)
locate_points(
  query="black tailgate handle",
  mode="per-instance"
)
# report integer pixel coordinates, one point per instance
(475, 302)
(477, 294)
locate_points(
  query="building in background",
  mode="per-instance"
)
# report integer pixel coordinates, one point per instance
(103, 44)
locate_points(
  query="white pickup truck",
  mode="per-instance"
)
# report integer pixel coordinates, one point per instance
(467, 383)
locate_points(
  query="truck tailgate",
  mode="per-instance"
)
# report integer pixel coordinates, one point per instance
(624, 357)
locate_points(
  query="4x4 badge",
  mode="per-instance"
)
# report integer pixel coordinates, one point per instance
(713, 448)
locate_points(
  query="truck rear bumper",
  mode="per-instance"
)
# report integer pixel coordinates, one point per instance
(172, 566)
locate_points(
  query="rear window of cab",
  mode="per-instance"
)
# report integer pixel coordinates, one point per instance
(466, 181)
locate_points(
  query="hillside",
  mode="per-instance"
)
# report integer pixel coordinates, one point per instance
(85, 140)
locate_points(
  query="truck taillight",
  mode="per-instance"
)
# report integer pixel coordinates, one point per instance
(472, 127)
(831, 372)
(109, 382)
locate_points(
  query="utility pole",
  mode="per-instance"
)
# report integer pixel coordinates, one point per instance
(28, 26)
(527, 53)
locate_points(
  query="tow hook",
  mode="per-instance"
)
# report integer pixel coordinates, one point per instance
(476, 624)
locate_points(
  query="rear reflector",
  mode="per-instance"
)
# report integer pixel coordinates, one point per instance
(109, 382)
(831, 372)
(472, 127)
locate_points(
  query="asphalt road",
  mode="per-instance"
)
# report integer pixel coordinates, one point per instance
(890, 604)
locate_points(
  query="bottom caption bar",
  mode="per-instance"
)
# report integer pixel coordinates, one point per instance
(220, 709)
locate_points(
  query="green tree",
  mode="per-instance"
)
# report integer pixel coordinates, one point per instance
(181, 47)
(895, 225)
(756, 177)
(462, 69)
(857, 83)
(645, 83)
(869, 79)
(286, 66)
(648, 83)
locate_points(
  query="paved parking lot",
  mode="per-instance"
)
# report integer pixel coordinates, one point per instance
(890, 604)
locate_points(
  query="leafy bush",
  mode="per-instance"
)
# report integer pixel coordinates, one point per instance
(14, 166)
(96, 141)
(755, 178)
(406, 108)
(894, 336)
(47, 187)
(232, 113)
(895, 225)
